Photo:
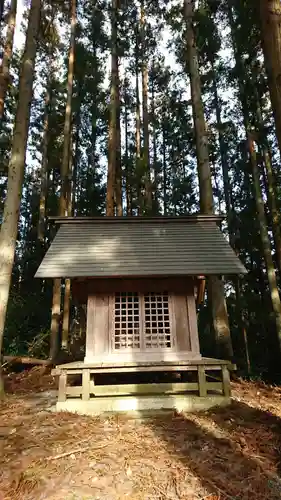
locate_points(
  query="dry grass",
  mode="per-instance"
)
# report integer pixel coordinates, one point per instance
(231, 453)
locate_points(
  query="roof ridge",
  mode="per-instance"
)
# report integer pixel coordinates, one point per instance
(138, 219)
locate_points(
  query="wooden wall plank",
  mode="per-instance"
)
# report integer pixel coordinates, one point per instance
(97, 333)
(181, 322)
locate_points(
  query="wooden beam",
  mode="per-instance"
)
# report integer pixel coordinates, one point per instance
(127, 389)
(135, 369)
(26, 360)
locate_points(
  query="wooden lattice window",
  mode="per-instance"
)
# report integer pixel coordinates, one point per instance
(127, 321)
(142, 321)
(157, 330)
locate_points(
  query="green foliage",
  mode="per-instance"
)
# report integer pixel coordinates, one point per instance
(27, 318)
(235, 94)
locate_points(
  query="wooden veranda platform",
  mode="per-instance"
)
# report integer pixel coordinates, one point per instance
(79, 392)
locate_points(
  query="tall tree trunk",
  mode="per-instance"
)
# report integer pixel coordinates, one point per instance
(8, 233)
(215, 284)
(66, 165)
(138, 119)
(128, 175)
(118, 180)
(272, 202)
(270, 19)
(270, 184)
(154, 142)
(76, 159)
(204, 173)
(65, 170)
(113, 173)
(266, 247)
(222, 146)
(146, 156)
(164, 169)
(44, 164)
(7, 55)
(240, 72)
(138, 128)
(230, 215)
(274, 293)
(242, 325)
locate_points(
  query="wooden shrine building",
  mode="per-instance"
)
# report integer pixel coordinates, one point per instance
(140, 278)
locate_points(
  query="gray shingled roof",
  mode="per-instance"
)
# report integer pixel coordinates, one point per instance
(139, 247)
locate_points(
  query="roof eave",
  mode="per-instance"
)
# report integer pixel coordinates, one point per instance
(138, 220)
(143, 276)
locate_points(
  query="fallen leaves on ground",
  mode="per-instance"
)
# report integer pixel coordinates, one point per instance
(36, 379)
(228, 453)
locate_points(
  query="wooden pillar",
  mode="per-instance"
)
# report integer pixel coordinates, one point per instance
(193, 328)
(85, 384)
(62, 387)
(202, 381)
(225, 381)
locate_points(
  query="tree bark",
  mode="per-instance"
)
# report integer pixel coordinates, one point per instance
(44, 165)
(274, 293)
(242, 325)
(154, 142)
(220, 317)
(113, 172)
(7, 55)
(8, 234)
(204, 173)
(222, 147)
(164, 169)
(270, 184)
(266, 246)
(272, 202)
(146, 156)
(128, 176)
(215, 285)
(270, 20)
(66, 168)
(118, 180)
(138, 128)
(25, 360)
(138, 118)
(76, 160)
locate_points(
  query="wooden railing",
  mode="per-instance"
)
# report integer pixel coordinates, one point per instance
(202, 386)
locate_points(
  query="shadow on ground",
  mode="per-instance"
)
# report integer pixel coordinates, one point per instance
(226, 453)
(235, 451)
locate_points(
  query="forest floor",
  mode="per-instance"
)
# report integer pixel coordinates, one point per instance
(231, 453)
